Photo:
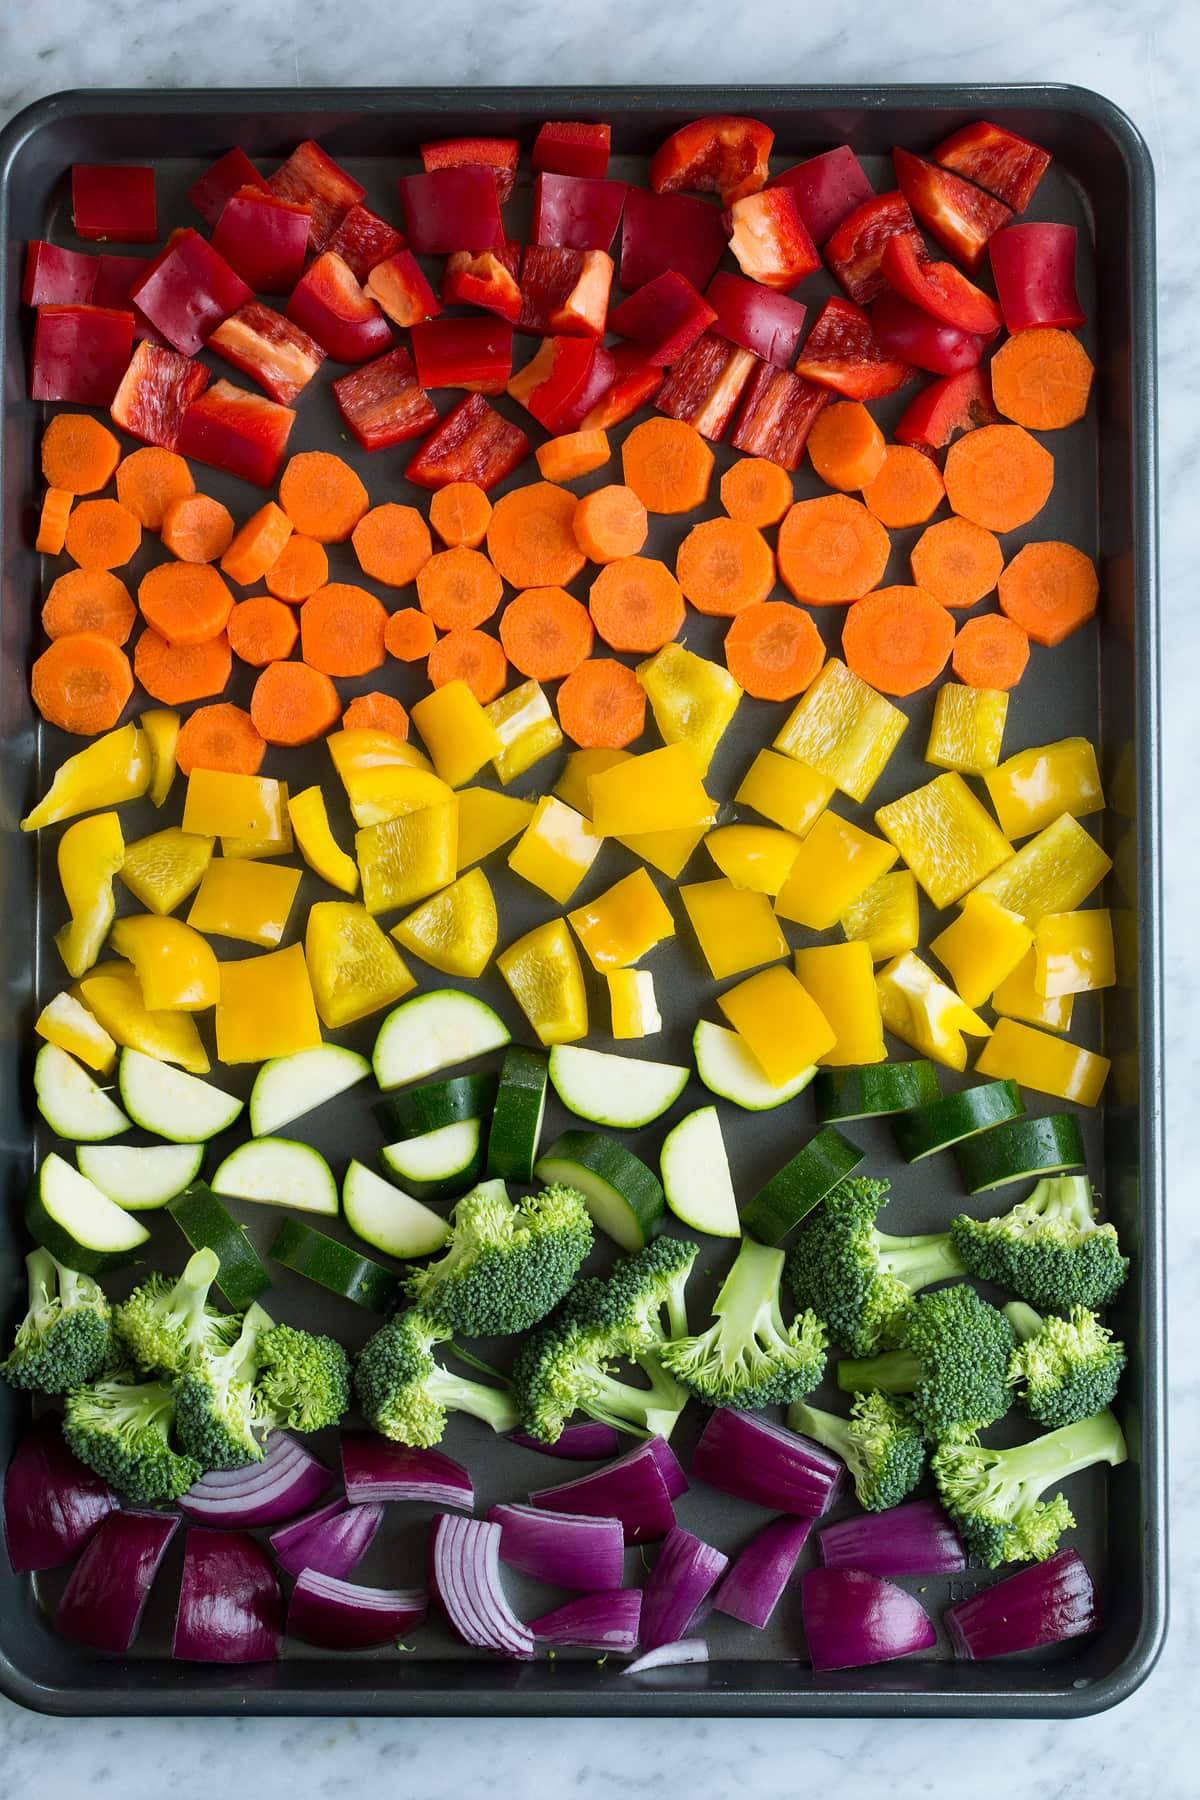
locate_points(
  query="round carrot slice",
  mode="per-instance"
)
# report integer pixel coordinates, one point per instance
(460, 513)
(298, 571)
(322, 496)
(377, 712)
(409, 634)
(957, 562)
(148, 481)
(471, 656)
(610, 522)
(546, 633)
(846, 447)
(293, 704)
(636, 604)
(1042, 378)
(79, 454)
(89, 600)
(1049, 590)
(530, 536)
(81, 683)
(998, 477)
(222, 737)
(831, 549)
(908, 488)
(179, 673)
(392, 544)
(724, 565)
(773, 650)
(898, 639)
(668, 465)
(262, 630)
(185, 602)
(102, 534)
(197, 528)
(602, 705)
(458, 589)
(990, 652)
(756, 491)
(341, 630)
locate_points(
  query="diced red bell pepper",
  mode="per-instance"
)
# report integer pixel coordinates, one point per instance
(116, 277)
(904, 331)
(564, 293)
(669, 231)
(55, 277)
(383, 403)
(114, 201)
(400, 288)
(777, 414)
(466, 353)
(498, 154)
(230, 172)
(718, 155)
(472, 443)
(944, 408)
(451, 209)
(855, 251)
(363, 240)
(245, 434)
(843, 353)
(563, 382)
(1034, 271)
(155, 392)
(664, 317)
(939, 288)
(827, 188)
(311, 178)
(79, 353)
(704, 387)
(996, 159)
(769, 240)
(756, 317)
(572, 148)
(481, 280)
(274, 350)
(263, 239)
(960, 216)
(187, 289)
(593, 393)
(576, 212)
(635, 380)
(328, 303)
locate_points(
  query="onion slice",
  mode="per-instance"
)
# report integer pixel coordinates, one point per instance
(464, 1564)
(53, 1503)
(914, 1539)
(852, 1618)
(1046, 1604)
(668, 1656)
(230, 1605)
(594, 1622)
(755, 1459)
(333, 1540)
(373, 1468)
(631, 1489)
(563, 1549)
(288, 1479)
(752, 1589)
(669, 1466)
(339, 1616)
(586, 1441)
(103, 1602)
(686, 1571)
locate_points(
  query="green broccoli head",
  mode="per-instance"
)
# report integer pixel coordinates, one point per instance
(567, 1366)
(215, 1402)
(954, 1363)
(639, 1290)
(748, 1357)
(165, 1326)
(1064, 1369)
(1049, 1249)
(507, 1264)
(405, 1394)
(65, 1338)
(303, 1379)
(121, 1428)
(880, 1443)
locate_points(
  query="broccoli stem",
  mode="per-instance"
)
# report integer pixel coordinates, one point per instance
(653, 1410)
(1066, 1198)
(748, 1303)
(895, 1372)
(42, 1272)
(1036, 1465)
(919, 1261)
(495, 1406)
(1023, 1319)
(826, 1427)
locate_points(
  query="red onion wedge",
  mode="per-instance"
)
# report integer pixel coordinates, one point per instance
(669, 1656)
(339, 1616)
(464, 1565)
(1045, 1604)
(230, 1606)
(686, 1571)
(563, 1549)
(631, 1489)
(752, 1589)
(594, 1622)
(586, 1441)
(669, 1466)
(52, 1502)
(914, 1539)
(755, 1459)
(103, 1602)
(374, 1468)
(852, 1618)
(332, 1541)
(288, 1479)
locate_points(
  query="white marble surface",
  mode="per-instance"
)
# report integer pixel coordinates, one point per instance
(1146, 57)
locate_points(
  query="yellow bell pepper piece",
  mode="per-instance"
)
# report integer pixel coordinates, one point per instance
(456, 930)
(1074, 953)
(382, 775)
(922, 1011)
(556, 849)
(981, 947)
(457, 732)
(1034, 787)
(835, 863)
(635, 1011)
(161, 727)
(244, 900)
(176, 969)
(112, 992)
(787, 792)
(275, 844)
(572, 785)
(90, 853)
(967, 729)
(843, 729)
(318, 846)
(1018, 1053)
(407, 858)
(163, 869)
(353, 968)
(237, 806)
(623, 923)
(543, 972)
(841, 979)
(486, 820)
(753, 856)
(735, 927)
(1054, 872)
(660, 790)
(266, 1007)
(65, 1021)
(1017, 998)
(946, 836)
(667, 851)
(527, 729)
(113, 769)
(886, 916)
(693, 701)
(780, 1023)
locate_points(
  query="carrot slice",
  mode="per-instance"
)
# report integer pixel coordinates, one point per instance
(831, 549)
(262, 630)
(299, 570)
(79, 454)
(197, 528)
(341, 630)
(322, 496)
(1042, 379)
(577, 453)
(998, 477)
(459, 513)
(668, 465)
(392, 544)
(636, 604)
(530, 537)
(185, 602)
(602, 705)
(177, 673)
(52, 524)
(908, 488)
(257, 545)
(377, 712)
(773, 650)
(102, 534)
(610, 522)
(1049, 590)
(546, 633)
(409, 635)
(148, 481)
(723, 565)
(898, 639)
(990, 652)
(81, 683)
(220, 737)
(846, 446)
(293, 703)
(957, 562)
(89, 600)
(459, 588)
(471, 656)
(756, 491)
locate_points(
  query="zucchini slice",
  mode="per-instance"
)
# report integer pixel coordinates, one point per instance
(208, 1225)
(287, 1087)
(171, 1103)
(874, 1090)
(78, 1224)
(387, 1218)
(440, 1162)
(624, 1197)
(953, 1117)
(801, 1184)
(620, 1091)
(516, 1127)
(434, 1032)
(73, 1105)
(140, 1178)
(726, 1067)
(695, 1174)
(1021, 1147)
(419, 1110)
(335, 1266)
(278, 1172)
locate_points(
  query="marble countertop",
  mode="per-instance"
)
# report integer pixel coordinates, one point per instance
(1147, 59)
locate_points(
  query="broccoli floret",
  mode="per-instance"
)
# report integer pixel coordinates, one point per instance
(749, 1358)
(406, 1395)
(1064, 1369)
(859, 1281)
(65, 1337)
(993, 1495)
(879, 1443)
(303, 1379)
(508, 1265)
(567, 1366)
(121, 1428)
(1049, 1249)
(164, 1326)
(954, 1363)
(215, 1401)
(642, 1298)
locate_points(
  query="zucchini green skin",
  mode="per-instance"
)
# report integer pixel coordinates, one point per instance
(517, 1116)
(335, 1266)
(624, 1196)
(874, 1090)
(801, 1184)
(207, 1224)
(415, 1111)
(436, 1187)
(953, 1117)
(1019, 1148)
(63, 1245)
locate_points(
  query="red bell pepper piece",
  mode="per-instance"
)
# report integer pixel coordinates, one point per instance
(563, 382)
(855, 251)
(116, 277)
(498, 154)
(363, 239)
(79, 353)
(482, 280)
(187, 289)
(310, 178)
(466, 353)
(635, 380)
(114, 201)
(400, 288)
(328, 303)
(55, 277)
(1034, 270)
(827, 189)
(777, 414)
(843, 353)
(262, 343)
(576, 212)
(1008, 166)
(706, 384)
(383, 403)
(668, 231)
(451, 209)
(472, 443)
(263, 239)
(755, 317)
(245, 434)
(939, 288)
(944, 408)
(564, 292)
(961, 217)
(719, 155)
(572, 148)
(155, 392)
(769, 239)
(230, 172)
(904, 331)
(664, 317)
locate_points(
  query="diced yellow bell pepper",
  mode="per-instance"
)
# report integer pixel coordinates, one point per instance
(543, 972)
(257, 849)
(1054, 872)
(356, 750)
(780, 1023)
(841, 979)
(843, 729)
(635, 1011)
(835, 863)
(968, 728)
(785, 791)
(556, 849)
(112, 992)
(456, 930)
(527, 729)
(318, 846)
(1074, 953)
(266, 1007)
(113, 769)
(238, 806)
(981, 947)
(457, 732)
(920, 1010)
(90, 853)
(886, 916)
(382, 775)
(163, 869)
(623, 923)
(1051, 1066)
(244, 900)
(667, 851)
(1034, 787)
(176, 969)
(572, 785)
(735, 927)
(1017, 998)
(353, 967)
(660, 790)
(407, 858)
(946, 836)
(693, 701)
(486, 820)
(161, 727)
(753, 856)
(65, 1021)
